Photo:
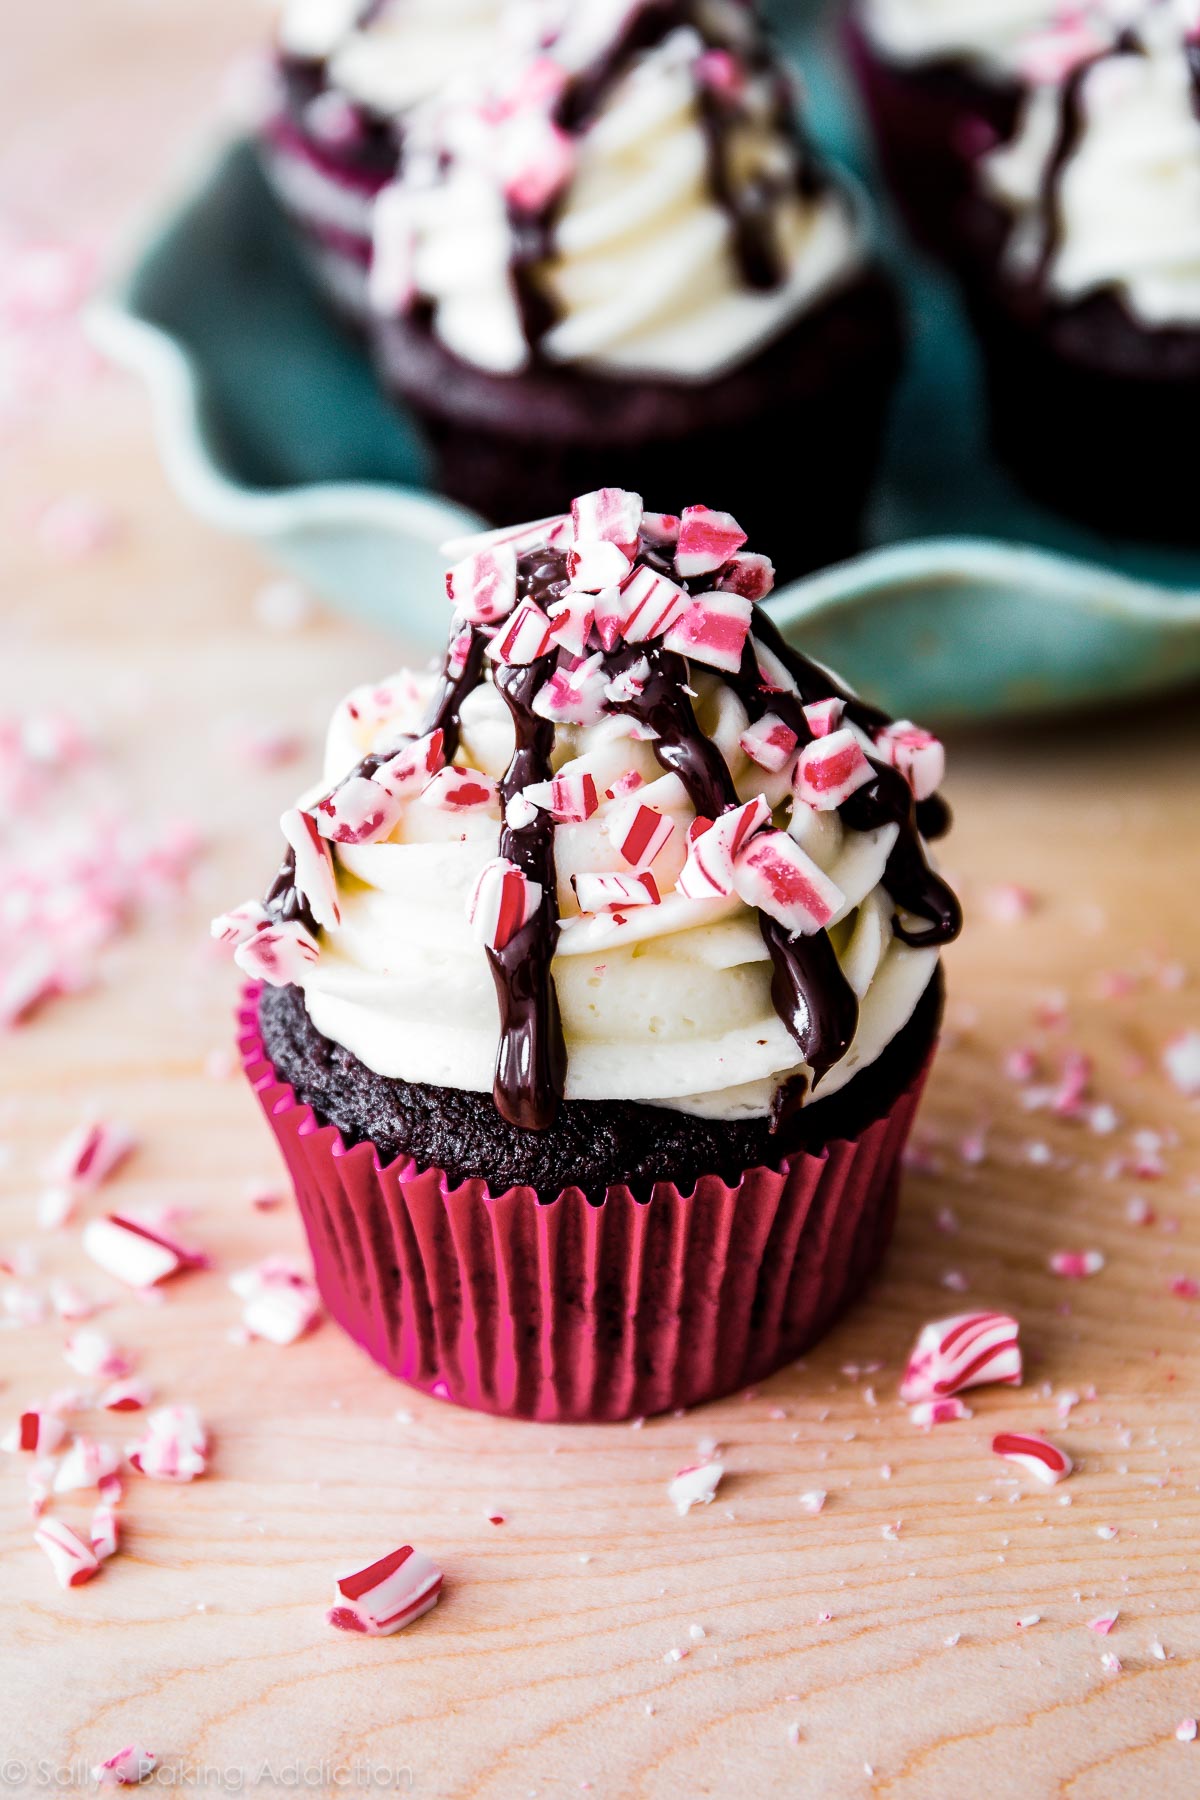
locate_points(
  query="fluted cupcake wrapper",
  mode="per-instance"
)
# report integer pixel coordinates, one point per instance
(561, 1310)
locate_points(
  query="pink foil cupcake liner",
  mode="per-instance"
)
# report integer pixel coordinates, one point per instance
(567, 1311)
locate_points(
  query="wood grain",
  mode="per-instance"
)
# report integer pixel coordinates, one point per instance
(891, 1657)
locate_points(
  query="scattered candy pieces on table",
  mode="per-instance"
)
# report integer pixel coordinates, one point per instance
(695, 1486)
(387, 1595)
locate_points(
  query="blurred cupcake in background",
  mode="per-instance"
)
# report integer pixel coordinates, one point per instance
(621, 253)
(349, 72)
(1082, 263)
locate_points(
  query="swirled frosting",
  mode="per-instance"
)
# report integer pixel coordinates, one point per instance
(637, 204)
(987, 33)
(1121, 208)
(389, 57)
(622, 778)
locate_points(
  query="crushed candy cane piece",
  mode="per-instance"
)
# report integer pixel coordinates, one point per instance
(917, 754)
(316, 878)
(360, 810)
(91, 1153)
(714, 846)
(411, 769)
(695, 1486)
(707, 541)
(652, 604)
(629, 683)
(1181, 1061)
(90, 1353)
(713, 631)
(134, 1253)
(279, 955)
(38, 1432)
(502, 902)
(240, 923)
(105, 1530)
(570, 799)
(125, 1396)
(73, 1561)
(609, 516)
(830, 769)
(1186, 1731)
(460, 790)
(1076, 1265)
(1038, 1455)
(748, 574)
(388, 1595)
(823, 717)
(127, 1768)
(572, 619)
(968, 1350)
(944, 1411)
(173, 1446)
(769, 742)
(280, 1302)
(814, 1500)
(600, 893)
(85, 1465)
(640, 833)
(1104, 1624)
(528, 635)
(574, 696)
(483, 586)
(774, 874)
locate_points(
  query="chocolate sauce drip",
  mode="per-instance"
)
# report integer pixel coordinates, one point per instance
(815, 1002)
(1191, 51)
(1068, 134)
(679, 744)
(454, 688)
(284, 900)
(531, 1064)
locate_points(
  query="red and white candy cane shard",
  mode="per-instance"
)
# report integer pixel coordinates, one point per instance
(316, 878)
(519, 812)
(173, 1447)
(629, 684)
(38, 1432)
(596, 566)
(411, 769)
(661, 529)
(824, 716)
(527, 635)
(127, 1768)
(460, 790)
(774, 874)
(502, 902)
(278, 956)
(713, 631)
(1076, 1265)
(388, 1595)
(748, 574)
(280, 1302)
(574, 696)
(610, 893)
(917, 754)
(73, 1561)
(91, 1353)
(358, 811)
(85, 1465)
(695, 1486)
(830, 769)
(570, 799)
(713, 848)
(969, 1350)
(483, 586)
(572, 619)
(608, 616)
(105, 1530)
(652, 605)
(640, 833)
(707, 541)
(611, 516)
(133, 1252)
(239, 923)
(625, 784)
(1037, 1454)
(1181, 1062)
(125, 1396)
(769, 742)
(553, 532)
(928, 1413)
(90, 1154)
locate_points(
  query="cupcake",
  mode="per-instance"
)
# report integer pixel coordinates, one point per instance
(620, 251)
(349, 73)
(593, 1000)
(1082, 268)
(943, 82)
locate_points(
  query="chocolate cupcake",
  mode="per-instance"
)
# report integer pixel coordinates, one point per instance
(943, 83)
(349, 73)
(621, 252)
(1082, 268)
(601, 979)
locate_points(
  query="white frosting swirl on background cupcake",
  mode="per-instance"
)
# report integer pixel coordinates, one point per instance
(1128, 197)
(404, 51)
(989, 33)
(669, 1004)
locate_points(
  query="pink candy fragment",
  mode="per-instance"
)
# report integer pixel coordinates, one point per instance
(713, 848)
(360, 811)
(613, 893)
(125, 1396)
(917, 754)
(90, 1154)
(388, 1595)
(775, 875)
(1076, 1265)
(572, 619)
(770, 743)
(134, 1253)
(278, 955)
(1181, 1061)
(105, 1531)
(830, 769)
(85, 1465)
(824, 716)
(611, 516)
(748, 574)
(280, 1302)
(574, 696)
(38, 1432)
(928, 1413)
(652, 605)
(640, 833)
(570, 799)
(316, 878)
(1036, 1454)
(90, 1353)
(73, 1561)
(968, 1350)
(126, 1768)
(707, 541)
(483, 587)
(713, 631)
(528, 635)
(695, 1486)
(596, 567)
(240, 923)
(173, 1446)
(502, 902)
(460, 790)
(411, 769)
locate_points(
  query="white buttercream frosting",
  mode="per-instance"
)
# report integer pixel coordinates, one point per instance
(669, 1004)
(1128, 198)
(404, 51)
(643, 274)
(990, 33)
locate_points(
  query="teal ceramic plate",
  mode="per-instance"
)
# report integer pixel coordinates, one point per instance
(973, 604)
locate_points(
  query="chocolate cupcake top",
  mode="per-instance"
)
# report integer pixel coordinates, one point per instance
(626, 845)
(1103, 176)
(383, 55)
(631, 194)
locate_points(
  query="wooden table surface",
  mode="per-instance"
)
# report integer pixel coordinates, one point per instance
(873, 1648)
